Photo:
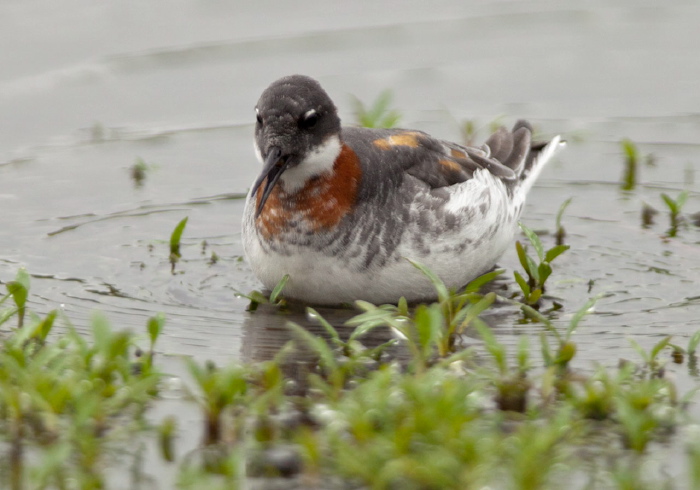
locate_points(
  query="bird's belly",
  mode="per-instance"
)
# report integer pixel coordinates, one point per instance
(319, 277)
(363, 266)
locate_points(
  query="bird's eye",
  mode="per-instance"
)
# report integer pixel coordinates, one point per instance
(258, 117)
(308, 119)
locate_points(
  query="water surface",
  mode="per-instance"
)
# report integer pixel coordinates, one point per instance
(87, 89)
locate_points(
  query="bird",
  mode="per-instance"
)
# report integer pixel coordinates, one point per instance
(340, 209)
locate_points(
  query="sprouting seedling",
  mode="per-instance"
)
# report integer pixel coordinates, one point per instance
(629, 177)
(43, 327)
(175, 243)
(693, 343)
(19, 290)
(633, 158)
(651, 358)
(352, 347)
(566, 350)
(138, 171)
(537, 273)
(218, 389)
(512, 385)
(674, 207)
(648, 213)
(257, 298)
(679, 352)
(458, 309)
(334, 373)
(378, 115)
(340, 360)
(469, 131)
(560, 234)
(434, 327)
(470, 128)
(167, 431)
(155, 328)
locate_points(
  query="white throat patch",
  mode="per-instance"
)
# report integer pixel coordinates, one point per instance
(317, 162)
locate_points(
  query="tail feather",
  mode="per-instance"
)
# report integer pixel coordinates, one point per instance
(539, 155)
(521, 148)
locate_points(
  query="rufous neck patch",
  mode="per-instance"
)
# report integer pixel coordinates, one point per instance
(319, 205)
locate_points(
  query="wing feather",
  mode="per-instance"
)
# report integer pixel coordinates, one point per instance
(507, 155)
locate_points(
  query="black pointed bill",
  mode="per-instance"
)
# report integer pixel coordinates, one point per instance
(274, 165)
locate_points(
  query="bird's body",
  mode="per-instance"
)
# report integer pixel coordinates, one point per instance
(342, 208)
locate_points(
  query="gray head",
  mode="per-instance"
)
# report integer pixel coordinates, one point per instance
(296, 122)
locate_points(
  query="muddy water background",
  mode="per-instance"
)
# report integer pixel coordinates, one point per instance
(88, 88)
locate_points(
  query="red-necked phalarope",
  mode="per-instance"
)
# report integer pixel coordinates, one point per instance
(340, 208)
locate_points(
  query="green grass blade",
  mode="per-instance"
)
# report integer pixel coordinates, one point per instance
(534, 239)
(546, 350)
(533, 270)
(476, 309)
(536, 315)
(555, 252)
(524, 287)
(630, 149)
(176, 236)
(522, 255)
(523, 355)
(640, 350)
(497, 350)
(429, 325)
(560, 213)
(583, 311)
(316, 344)
(155, 327)
(278, 288)
(43, 328)
(440, 288)
(476, 284)
(544, 271)
(672, 206)
(693, 342)
(535, 296)
(19, 288)
(661, 345)
(325, 324)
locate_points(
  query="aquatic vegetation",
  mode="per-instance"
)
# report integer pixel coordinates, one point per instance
(648, 213)
(175, 238)
(512, 384)
(431, 330)
(537, 272)
(470, 129)
(693, 343)
(18, 290)
(560, 232)
(651, 362)
(440, 417)
(378, 115)
(138, 171)
(674, 209)
(632, 157)
(217, 390)
(65, 407)
(566, 349)
(275, 298)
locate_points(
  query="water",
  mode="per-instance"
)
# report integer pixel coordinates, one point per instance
(87, 89)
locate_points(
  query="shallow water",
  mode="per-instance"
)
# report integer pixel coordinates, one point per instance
(93, 87)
